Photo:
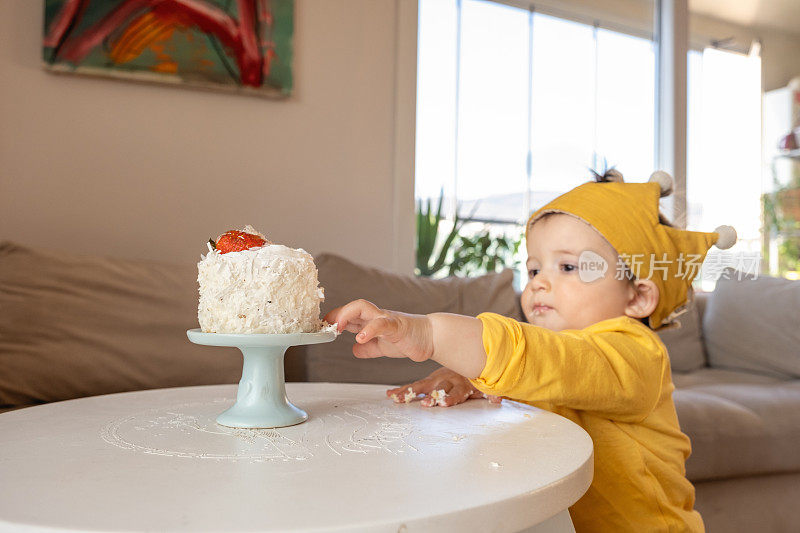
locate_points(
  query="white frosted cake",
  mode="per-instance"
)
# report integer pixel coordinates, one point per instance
(266, 288)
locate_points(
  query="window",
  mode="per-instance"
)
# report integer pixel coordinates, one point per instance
(514, 107)
(723, 183)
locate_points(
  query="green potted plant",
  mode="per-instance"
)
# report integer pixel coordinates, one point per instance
(781, 210)
(453, 252)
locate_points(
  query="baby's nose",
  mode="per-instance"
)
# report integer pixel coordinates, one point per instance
(539, 281)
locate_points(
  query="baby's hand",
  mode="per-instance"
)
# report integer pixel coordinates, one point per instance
(383, 333)
(442, 387)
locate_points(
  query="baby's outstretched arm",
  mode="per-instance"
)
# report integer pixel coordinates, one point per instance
(453, 341)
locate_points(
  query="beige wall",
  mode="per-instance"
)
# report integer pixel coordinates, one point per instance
(148, 171)
(780, 59)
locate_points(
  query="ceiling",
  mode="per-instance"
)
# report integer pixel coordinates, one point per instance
(779, 14)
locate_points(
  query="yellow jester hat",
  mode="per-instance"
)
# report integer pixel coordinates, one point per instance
(626, 214)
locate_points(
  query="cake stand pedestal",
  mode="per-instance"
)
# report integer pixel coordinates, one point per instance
(261, 400)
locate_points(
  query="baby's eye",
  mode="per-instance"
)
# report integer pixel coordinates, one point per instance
(532, 272)
(567, 267)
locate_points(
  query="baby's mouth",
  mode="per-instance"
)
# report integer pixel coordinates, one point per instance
(541, 309)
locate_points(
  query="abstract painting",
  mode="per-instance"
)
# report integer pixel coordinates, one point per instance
(241, 45)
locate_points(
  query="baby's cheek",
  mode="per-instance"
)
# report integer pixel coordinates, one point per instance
(527, 304)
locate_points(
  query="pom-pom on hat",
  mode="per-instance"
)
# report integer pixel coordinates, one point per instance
(626, 214)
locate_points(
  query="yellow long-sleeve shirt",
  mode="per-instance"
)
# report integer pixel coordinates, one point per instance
(613, 379)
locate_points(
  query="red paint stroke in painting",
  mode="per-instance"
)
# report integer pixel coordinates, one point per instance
(70, 11)
(266, 36)
(239, 36)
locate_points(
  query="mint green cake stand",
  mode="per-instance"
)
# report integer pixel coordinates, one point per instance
(261, 400)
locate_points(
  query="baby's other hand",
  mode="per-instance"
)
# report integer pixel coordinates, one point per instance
(442, 387)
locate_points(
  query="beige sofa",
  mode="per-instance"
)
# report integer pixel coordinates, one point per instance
(73, 326)
(744, 423)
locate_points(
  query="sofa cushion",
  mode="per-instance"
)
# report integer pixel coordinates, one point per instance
(73, 326)
(751, 324)
(720, 376)
(740, 429)
(685, 343)
(345, 281)
(753, 504)
(700, 302)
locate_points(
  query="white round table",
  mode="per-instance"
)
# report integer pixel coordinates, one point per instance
(157, 460)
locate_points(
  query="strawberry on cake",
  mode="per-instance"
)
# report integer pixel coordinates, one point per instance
(250, 285)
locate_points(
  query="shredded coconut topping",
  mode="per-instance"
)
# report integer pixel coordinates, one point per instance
(271, 289)
(438, 396)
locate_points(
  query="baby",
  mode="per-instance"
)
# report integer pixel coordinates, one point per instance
(589, 351)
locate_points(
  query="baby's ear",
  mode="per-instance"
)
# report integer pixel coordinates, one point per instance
(643, 300)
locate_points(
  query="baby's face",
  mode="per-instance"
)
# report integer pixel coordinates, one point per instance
(556, 297)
